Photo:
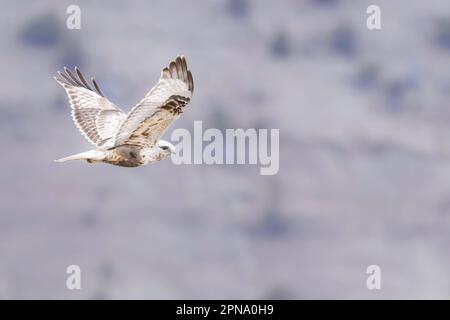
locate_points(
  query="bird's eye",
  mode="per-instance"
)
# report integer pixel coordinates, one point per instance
(165, 147)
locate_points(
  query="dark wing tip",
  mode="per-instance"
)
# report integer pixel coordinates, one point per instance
(76, 79)
(177, 69)
(81, 77)
(97, 88)
(66, 79)
(190, 81)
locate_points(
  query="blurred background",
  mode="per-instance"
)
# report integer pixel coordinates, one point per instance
(364, 119)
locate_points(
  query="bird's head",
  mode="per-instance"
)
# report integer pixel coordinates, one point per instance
(166, 148)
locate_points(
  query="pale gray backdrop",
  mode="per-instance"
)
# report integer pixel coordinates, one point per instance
(364, 119)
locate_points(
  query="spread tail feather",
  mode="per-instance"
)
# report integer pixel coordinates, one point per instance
(92, 155)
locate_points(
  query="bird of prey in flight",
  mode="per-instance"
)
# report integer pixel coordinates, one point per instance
(132, 139)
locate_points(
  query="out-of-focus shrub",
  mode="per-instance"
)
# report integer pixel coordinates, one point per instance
(343, 41)
(238, 8)
(280, 45)
(44, 31)
(442, 33)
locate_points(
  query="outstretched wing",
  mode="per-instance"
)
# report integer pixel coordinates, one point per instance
(163, 104)
(97, 118)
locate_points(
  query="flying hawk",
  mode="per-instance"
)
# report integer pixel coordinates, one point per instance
(132, 139)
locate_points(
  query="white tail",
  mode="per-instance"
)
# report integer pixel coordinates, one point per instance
(93, 155)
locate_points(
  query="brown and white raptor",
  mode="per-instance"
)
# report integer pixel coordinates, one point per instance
(132, 139)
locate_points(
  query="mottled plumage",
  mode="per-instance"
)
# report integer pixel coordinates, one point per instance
(131, 139)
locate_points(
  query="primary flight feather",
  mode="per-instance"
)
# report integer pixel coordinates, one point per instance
(132, 139)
